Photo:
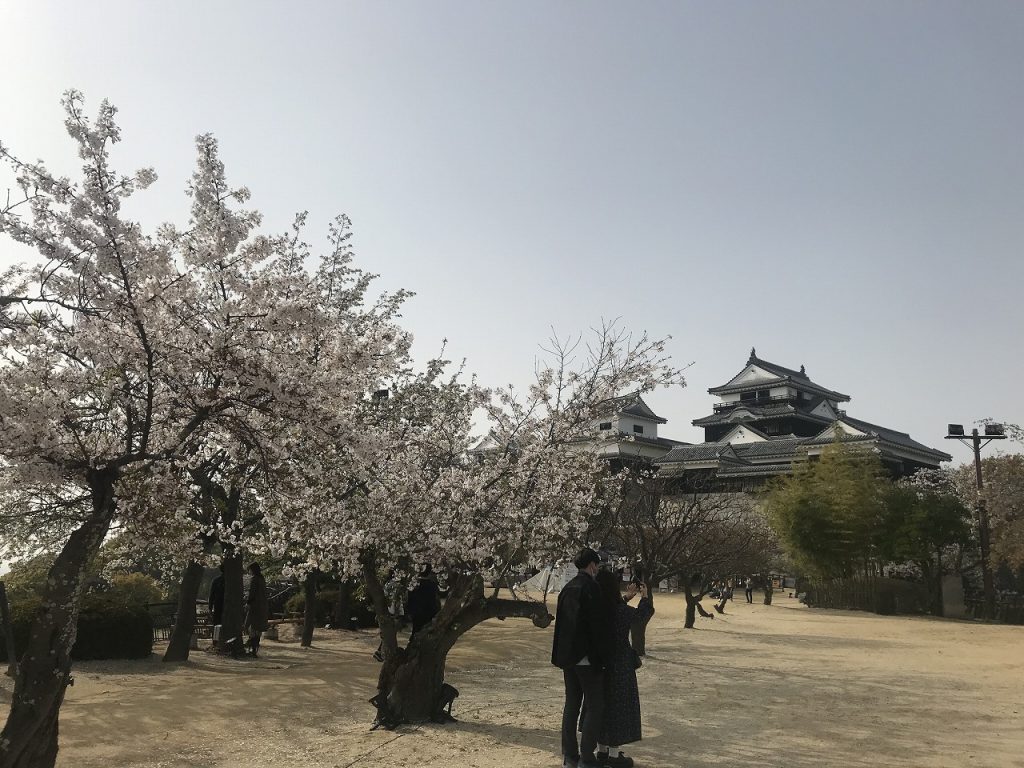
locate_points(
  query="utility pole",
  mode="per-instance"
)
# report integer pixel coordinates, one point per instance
(992, 432)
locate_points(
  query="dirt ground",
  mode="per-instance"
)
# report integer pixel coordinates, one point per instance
(776, 685)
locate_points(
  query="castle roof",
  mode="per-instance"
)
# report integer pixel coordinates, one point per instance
(780, 375)
(759, 455)
(632, 405)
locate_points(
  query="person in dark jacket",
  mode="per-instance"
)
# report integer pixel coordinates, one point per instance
(581, 649)
(424, 601)
(257, 608)
(216, 603)
(621, 723)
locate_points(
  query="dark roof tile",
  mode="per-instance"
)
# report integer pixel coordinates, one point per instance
(631, 404)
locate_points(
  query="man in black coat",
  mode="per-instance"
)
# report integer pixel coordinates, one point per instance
(581, 649)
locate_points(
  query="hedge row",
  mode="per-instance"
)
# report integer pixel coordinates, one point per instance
(875, 594)
(105, 630)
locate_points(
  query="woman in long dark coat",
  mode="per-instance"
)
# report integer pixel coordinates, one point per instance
(257, 615)
(622, 697)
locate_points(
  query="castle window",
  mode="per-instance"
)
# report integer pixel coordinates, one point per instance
(638, 429)
(605, 426)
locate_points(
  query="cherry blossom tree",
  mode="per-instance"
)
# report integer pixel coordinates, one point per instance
(319, 334)
(1004, 497)
(131, 361)
(84, 398)
(1004, 489)
(688, 533)
(421, 496)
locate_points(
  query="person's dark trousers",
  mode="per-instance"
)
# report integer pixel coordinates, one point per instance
(750, 595)
(582, 682)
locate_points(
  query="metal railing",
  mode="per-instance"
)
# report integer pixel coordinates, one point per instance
(771, 400)
(1009, 608)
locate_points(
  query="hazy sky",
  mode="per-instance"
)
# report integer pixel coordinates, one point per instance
(840, 185)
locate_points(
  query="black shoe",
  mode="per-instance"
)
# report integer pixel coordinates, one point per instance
(378, 656)
(619, 761)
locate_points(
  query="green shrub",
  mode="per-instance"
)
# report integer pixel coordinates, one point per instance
(325, 602)
(360, 606)
(106, 630)
(26, 578)
(295, 604)
(133, 589)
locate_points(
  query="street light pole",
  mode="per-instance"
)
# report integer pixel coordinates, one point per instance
(992, 432)
(988, 583)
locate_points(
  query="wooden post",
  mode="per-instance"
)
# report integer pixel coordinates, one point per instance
(5, 619)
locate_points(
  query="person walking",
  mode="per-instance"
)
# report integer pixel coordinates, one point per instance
(581, 649)
(749, 586)
(257, 608)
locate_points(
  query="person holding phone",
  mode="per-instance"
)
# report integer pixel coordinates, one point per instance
(621, 721)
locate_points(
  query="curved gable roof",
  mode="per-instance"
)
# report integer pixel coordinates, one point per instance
(783, 376)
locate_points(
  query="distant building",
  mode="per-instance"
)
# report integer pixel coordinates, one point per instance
(626, 433)
(630, 431)
(767, 417)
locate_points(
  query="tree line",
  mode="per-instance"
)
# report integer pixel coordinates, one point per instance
(844, 515)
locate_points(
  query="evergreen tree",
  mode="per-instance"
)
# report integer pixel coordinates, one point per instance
(828, 510)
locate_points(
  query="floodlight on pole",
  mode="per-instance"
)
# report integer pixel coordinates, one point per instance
(992, 432)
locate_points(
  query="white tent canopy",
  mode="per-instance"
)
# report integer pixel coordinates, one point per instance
(550, 580)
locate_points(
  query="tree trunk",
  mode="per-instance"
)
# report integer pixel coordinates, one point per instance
(29, 739)
(185, 619)
(938, 605)
(940, 602)
(385, 621)
(720, 605)
(309, 615)
(234, 611)
(691, 608)
(411, 683)
(5, 619)
(409, 686)
(933, 581)
(343, 608)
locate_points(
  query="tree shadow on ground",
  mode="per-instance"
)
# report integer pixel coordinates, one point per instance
(544, 739)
